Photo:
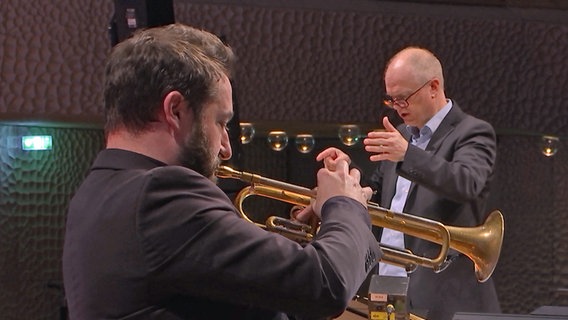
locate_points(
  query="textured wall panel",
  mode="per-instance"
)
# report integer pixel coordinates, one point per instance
(35, 187)
(52, 56)
(326, 65)
(524, 191)
(558, 234)
(314, 64)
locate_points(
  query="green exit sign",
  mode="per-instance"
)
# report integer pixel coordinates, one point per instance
(37, 143)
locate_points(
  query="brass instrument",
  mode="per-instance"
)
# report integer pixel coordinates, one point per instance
(481, 244)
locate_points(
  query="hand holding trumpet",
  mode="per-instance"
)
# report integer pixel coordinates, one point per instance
(334, 179)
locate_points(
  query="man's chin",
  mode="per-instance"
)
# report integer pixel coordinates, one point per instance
(213, 175)
(214, 166)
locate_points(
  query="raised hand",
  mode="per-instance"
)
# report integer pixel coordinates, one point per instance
(386, 145)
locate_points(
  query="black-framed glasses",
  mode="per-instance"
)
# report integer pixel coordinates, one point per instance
(401, 103)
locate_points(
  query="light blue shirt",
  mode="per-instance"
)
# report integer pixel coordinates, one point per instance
(419, 138)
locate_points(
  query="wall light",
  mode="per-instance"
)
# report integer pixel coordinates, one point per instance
(549, 145)
(277, 140)
(305, 143)
(349, 134)
(247, 132)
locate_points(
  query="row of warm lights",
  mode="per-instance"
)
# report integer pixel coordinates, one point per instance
(278, 140)
(349, 135)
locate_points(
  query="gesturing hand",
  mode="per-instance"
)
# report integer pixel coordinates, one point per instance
(386, 145)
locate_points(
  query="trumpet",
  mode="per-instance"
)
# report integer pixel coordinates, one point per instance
(481, 244)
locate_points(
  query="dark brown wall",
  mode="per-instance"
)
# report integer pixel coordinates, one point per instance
(313, 62)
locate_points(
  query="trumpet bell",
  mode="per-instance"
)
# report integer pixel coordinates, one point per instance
(481, 244)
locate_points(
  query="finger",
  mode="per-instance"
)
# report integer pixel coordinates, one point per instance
(356, 174)
(368, 193)
(371, 141)
(374, 148)
(388, 126)
(377, 138)
(295, 210)
(378, 157)
(333, 155)
(342, 166)
(327, 153)
(305, 215)
(376, 134)
(329, 164)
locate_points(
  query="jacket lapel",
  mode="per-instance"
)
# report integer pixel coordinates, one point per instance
(447, 125)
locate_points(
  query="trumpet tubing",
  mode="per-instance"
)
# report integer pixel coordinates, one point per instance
(481, 244)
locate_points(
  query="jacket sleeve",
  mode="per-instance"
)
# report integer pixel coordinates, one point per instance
(196, 245)
(459, 171)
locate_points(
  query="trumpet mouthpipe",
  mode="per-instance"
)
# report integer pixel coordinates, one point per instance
(255, 179)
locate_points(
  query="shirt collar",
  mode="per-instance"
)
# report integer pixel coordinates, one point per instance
(432, 124)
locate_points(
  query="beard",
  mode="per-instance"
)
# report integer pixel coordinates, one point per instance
(196, 155)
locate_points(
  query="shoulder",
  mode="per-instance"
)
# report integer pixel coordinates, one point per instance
(173, 193)
(465, 122)
(175, 205)
(177, 178)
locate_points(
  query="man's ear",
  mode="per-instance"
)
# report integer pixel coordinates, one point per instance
(434, 84)
(173, 108)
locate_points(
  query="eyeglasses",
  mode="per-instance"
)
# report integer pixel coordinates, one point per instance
(401, 103)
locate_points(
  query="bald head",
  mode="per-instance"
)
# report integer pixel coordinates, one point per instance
(417, 64)
(414, 84)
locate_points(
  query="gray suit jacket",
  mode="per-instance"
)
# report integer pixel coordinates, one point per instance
(450, 184)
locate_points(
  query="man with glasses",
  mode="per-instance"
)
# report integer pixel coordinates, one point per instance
(438, 165)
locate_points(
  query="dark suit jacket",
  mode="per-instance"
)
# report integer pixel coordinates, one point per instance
(450, 184)
(150, 241)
